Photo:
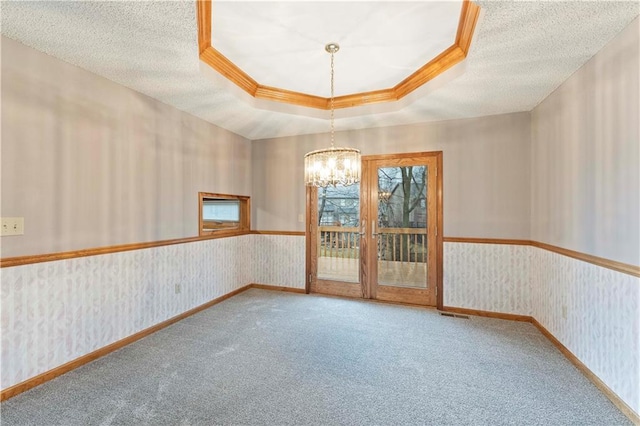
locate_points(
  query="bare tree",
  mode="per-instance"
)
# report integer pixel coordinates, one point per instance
(401, 190)
(409, 177)
(341, 201)
(323, 203)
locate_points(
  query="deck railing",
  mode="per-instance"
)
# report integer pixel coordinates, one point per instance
(402, 244)
(339, 242)
(394, 244)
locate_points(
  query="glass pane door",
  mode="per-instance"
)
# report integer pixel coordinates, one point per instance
(379, 239)
(337, 233)
(402, 226)
(403, 204)
(335, 241)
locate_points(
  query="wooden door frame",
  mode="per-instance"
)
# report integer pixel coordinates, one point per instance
(307, 238)
(439, 220)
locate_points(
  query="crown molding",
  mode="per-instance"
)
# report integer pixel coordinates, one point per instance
(456, 53)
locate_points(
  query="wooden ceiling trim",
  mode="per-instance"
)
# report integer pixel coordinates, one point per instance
(364, 98)
(468, 19)
(203, 12)
(228, 69)
(456, 53)
(288, 96)
(429, 71)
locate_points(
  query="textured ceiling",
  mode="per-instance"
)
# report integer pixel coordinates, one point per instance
(520, 53)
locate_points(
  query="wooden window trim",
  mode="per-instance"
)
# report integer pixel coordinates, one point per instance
(245, 215)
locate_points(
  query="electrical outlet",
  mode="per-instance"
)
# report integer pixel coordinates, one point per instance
(301, 218)
(12, 226)
(564, 311)
(178, 289)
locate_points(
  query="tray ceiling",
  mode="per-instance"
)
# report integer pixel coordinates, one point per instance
(521, 52)
(282, 44)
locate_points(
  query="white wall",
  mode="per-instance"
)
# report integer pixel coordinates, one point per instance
(90, 163)
(586, 156)
(586, 197)
(486, 172)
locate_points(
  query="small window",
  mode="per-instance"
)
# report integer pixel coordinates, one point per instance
(220, 213)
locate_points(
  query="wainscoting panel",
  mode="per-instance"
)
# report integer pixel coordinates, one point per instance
(593, 311)
(55, 312)
(279, 260)
(487, 277)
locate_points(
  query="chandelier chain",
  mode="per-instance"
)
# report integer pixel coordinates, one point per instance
(332, 110)
(332, 166)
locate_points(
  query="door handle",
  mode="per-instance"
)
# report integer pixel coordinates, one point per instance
(363, 228)
(373, 229)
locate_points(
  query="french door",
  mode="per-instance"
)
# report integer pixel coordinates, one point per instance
(380, 239)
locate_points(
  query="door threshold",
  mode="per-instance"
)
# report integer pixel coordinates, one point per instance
(384, 302)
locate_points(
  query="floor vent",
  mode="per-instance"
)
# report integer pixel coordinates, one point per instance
(447, 314)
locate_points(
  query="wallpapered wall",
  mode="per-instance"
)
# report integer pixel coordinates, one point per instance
(55, 312)
(488, 277)
(601, 326)
(279, 260)
(591, 310)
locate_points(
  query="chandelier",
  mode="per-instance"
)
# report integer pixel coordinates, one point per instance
(333, 165)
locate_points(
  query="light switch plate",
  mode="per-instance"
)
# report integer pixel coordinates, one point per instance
(12, 226)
